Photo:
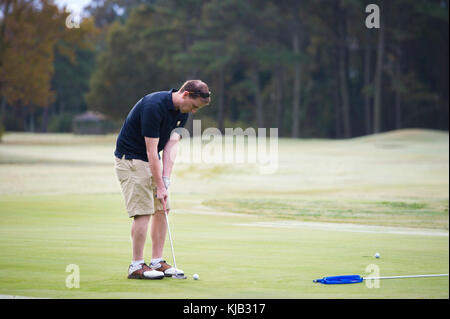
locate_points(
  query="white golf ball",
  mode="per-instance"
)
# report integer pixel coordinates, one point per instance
(195, 276)
(377, 255)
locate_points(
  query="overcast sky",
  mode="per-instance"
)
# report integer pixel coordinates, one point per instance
(73, 5)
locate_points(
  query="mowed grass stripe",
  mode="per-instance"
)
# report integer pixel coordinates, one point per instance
(233, 261)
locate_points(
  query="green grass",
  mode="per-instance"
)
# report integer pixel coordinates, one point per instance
(60, 204)
(42, 235)
(428, 215)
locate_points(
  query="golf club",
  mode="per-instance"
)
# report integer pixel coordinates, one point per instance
(352, 279)
(176, 275)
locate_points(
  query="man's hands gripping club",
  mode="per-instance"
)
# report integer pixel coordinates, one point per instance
(155, 167)
(164, 196)
(169, 153)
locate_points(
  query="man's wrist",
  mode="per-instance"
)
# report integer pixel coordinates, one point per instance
(166, 181)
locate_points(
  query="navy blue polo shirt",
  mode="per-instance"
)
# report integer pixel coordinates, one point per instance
(152, 116)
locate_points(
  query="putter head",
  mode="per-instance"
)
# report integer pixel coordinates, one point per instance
(179, 276)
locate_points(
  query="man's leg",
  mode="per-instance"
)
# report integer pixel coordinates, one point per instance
(139, 229)
(158, 233)
(138, 269)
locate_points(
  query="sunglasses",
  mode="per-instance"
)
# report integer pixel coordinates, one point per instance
(200, 94)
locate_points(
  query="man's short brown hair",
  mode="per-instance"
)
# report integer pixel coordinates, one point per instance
(194, 86)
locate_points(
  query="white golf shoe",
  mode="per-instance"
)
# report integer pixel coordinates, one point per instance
(144, 272)
(167, 269)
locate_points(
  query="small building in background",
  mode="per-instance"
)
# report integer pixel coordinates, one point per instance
(92, 122)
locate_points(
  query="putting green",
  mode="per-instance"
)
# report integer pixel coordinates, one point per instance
(247, 235)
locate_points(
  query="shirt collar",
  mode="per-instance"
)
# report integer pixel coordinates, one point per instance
(170, 101)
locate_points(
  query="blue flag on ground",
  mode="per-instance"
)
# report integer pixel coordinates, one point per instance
(336, 280)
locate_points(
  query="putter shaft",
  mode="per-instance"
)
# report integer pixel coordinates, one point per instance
(171, 245)
(170, 238)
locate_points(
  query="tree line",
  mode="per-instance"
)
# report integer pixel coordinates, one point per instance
(44, 65)
(311, 68)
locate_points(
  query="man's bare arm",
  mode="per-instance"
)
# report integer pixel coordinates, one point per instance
(170, 153)
(153, 160)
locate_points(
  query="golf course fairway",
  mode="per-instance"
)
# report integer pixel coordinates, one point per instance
(329, 207)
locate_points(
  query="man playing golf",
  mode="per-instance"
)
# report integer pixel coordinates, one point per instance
(153, 125)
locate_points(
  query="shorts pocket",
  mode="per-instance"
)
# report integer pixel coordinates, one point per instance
(141, 168)
(122, 170)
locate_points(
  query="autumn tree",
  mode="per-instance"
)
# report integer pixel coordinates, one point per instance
(31, 33)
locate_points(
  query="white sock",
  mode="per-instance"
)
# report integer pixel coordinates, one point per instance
(156, 261)
(135, 263)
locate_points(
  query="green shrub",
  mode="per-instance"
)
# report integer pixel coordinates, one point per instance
(60, 123)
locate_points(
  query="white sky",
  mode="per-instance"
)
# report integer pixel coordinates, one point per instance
(73, 5)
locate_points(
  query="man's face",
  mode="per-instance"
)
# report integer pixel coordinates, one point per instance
(189, 104)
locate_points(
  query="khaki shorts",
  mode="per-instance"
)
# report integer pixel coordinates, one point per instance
(138, 187)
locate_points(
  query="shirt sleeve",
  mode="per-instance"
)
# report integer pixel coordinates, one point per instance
(151, 119)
